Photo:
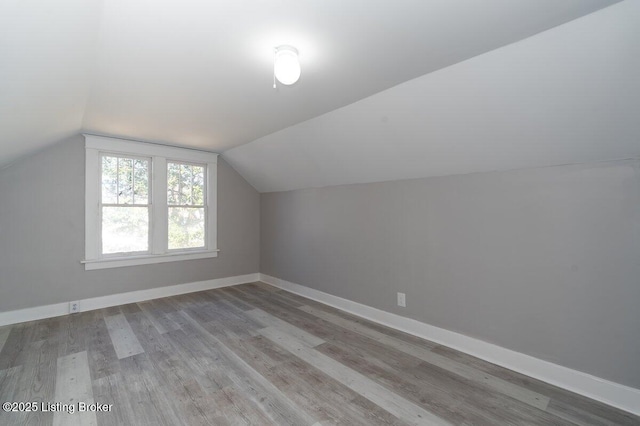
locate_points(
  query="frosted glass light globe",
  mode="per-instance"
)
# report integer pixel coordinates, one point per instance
(286, 65)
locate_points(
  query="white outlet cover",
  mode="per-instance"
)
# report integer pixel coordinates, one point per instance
(402, 300)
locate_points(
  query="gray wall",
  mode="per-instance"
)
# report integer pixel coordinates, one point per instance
(42, 234)
(542, 261)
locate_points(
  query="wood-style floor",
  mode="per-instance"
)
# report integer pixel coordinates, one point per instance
(253, 354)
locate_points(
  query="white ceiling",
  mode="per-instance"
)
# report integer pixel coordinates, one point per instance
(198, 72)
(567, 95)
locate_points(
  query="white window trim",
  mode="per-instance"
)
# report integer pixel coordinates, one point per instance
(159, 154)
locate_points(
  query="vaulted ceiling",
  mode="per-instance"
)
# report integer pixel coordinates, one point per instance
(199, 72)
(568, 95)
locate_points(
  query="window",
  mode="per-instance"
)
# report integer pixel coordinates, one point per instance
(148, 203)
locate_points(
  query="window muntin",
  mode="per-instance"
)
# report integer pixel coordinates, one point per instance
(124, 204)
(186, 205)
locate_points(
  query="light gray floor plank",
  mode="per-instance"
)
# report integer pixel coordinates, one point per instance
(269, 320)
(103, 361)
(576, 416)
(112, 390)
(72, 332)
(37, 383)
(366, 387)
(4, 334)
(73, 386)
(233, 299)
(124, 340)
(15, 351)
(9, 385)
(149, 405)
(514, 391)
(149, 311)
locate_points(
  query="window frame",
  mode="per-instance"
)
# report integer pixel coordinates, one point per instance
(159, 155)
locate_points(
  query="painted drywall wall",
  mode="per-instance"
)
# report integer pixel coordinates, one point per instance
(568, 95)
(42, 234)
(544, 261)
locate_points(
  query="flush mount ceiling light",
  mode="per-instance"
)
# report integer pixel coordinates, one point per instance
(286, 66)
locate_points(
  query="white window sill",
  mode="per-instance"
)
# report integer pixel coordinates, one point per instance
(147, 259)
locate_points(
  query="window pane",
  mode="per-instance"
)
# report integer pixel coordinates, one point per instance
(109, 180)
(140, 181)
(197, 185)
(125, 229)
(125, 181)
(186, 177)
(185, 184)
(186, 227)
(173, 183)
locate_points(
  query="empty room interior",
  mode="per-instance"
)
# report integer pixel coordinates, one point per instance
(320, 212)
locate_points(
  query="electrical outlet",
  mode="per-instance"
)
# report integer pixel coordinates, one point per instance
(74, 307)
(402, 300)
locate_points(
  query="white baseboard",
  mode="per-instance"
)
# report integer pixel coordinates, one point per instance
(57, 309)
(620, 396)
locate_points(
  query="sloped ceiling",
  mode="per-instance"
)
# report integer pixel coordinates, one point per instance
(567, 95)
(198, 72)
